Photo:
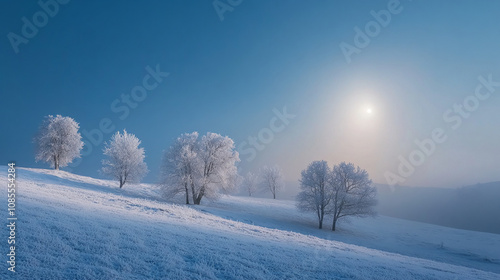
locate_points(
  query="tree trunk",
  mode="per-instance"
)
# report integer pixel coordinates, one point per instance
(334, 224)
(122, 182)
(193, 195)
(56, 163)
(199, 196)
(274, 195)
(187, 193)
(197, 201)
(321, 215)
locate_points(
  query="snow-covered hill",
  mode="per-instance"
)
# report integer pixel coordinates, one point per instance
(470, 207)
(75, 227)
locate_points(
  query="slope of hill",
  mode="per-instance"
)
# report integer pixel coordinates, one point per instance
(470, 207)
(75, 227)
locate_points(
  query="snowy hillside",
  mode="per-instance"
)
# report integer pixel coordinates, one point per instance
(468, 207)
(75, 227)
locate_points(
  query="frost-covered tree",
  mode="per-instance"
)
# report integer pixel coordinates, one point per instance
(216, 169)
(352, 194)
(316, 190)
(250, 183)
(206, 166)
(178, 165)
(125, 160)
(58, 141)
(272, 179)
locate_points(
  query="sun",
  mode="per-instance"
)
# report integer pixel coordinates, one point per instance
(369, 111)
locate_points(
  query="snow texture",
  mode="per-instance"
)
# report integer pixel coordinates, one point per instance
(75, 227)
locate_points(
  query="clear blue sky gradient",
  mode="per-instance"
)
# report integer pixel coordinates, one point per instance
(228, 76)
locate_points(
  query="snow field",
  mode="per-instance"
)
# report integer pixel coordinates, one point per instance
(75, 227)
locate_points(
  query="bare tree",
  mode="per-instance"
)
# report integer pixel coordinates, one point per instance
(316, 186)
(250, 183)
(352, 194)
(125, 160)
(272, 179)
(206, 166)
(58, 141)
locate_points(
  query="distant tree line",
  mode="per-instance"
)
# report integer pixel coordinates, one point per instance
(269, 178)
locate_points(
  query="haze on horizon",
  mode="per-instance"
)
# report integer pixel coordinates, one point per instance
(431, 73)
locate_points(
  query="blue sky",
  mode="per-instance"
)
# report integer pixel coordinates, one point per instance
(228, 76)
